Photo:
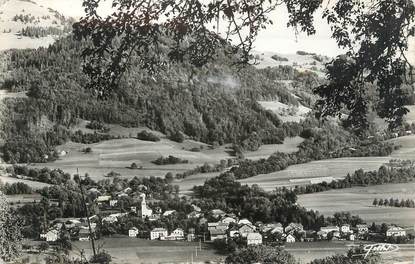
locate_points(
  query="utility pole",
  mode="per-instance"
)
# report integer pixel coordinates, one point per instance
(91, 235)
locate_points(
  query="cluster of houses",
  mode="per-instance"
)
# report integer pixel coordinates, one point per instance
(78, 227)
(228, 226)
(225, 226)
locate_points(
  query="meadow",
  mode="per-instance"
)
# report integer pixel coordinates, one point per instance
(358, 201)
(125, 250)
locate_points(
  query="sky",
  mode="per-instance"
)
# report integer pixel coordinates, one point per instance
(276, 38)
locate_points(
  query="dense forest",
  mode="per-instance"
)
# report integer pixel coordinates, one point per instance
(216, 103)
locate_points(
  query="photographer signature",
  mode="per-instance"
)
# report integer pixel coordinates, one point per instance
(380, 248)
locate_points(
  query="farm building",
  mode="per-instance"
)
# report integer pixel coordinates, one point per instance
(395, 231)
(217, 234)
(254, 239)
(244, 230)
(294, 227)
(84, 235)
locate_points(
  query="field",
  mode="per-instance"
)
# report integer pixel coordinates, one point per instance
(316, 171)
(282, 111)
(358, 200)
(132, 250)
(330, 169)
(117, 155)
(290, 145)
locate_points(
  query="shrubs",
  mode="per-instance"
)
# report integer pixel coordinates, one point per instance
(17, 188)
(278, 58)
(177, 136)
(87, 150)
(169, 160)
(89, 138)
(97, 125)
(147, 136)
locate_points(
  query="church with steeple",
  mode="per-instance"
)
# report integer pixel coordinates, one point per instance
(145, 211)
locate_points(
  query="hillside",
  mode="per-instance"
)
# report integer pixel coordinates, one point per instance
(27, 24)
(215, 104)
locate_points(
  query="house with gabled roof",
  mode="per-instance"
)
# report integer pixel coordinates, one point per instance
(254, 239)
(244, 230)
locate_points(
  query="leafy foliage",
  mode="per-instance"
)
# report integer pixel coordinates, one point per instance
(10, 235)
(375, 35)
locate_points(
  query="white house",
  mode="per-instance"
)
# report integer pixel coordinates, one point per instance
(228, 220)
(217, 213)
(345, 228)
(290, 239)
(395, 231)
(112, 218)
(362, 229)
(177, 234)
(158, 233)
(196, 208)
(254, 239)
(194, 214)
(133, 232)
(103, 198)
(51, 235)
(113, 203)
(328, 229)
(169, 212)
(244, 221)
(244, 230)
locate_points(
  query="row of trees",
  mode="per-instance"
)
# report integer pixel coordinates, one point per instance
(363, 178)
(46, 175)
(409, 203)
(326, 143)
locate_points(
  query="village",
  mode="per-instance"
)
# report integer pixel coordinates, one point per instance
(209, 226)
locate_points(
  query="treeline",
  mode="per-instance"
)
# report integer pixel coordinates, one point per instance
(39, 146)
(45, 175)
(207, 168)
(360, 177)
(89, 138)
(215, 104)
(15, 188)
(320, 143)
(40, 32)
(169, 160)
(97, 125)
(409, 203)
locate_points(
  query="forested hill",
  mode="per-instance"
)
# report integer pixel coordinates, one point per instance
(215, 104)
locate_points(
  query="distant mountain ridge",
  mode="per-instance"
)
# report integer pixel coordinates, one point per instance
(27, 24)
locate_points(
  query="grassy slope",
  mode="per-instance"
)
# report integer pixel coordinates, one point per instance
(358, 200)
